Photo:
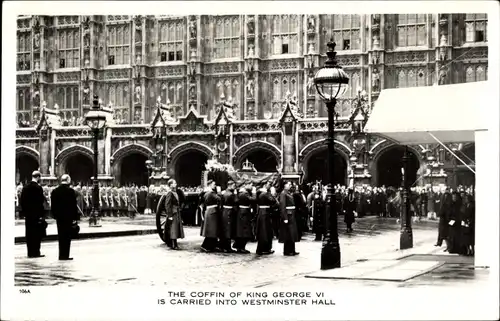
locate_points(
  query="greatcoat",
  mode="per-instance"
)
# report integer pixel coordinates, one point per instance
(211, 222)
(173, 227)
(264, 225)
(288, 231)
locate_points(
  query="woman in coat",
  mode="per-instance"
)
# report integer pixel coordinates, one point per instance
(444, 214)
(455, 225)
(468, 227)
(173, 227)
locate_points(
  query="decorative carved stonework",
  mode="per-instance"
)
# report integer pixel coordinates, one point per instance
(474, 54)
(68, 76)
(349, 60)
(321, 125)
(170, 71)
(284, 64)
(253, 127)
(26, 133)
(23, 79)
(192, 123)
(410, 57)
(221, 68)
(116, 74)
(131, 131)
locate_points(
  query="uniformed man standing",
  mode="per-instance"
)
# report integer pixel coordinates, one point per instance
(228, 202)
(288, 233)
(244, 219)
(264, 226)
(349, 208)
(32, 206)
(316, 207)
(210, 227)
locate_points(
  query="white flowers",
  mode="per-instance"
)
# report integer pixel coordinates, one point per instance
(214, 166)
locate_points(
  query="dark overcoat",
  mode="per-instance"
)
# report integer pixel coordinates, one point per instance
(211, 221)
(244, 215)
(264, 225)
(469, 219)
(32, 209)
(288, 231)
(173, 227)
(444, 217)
(228, 202)
(349, 207)
(317, 206)
(455, 231)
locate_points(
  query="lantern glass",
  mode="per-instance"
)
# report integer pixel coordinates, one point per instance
(331, 83)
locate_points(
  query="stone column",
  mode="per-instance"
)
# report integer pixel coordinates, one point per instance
(107, 151)
(52, 163)
(45, 150)
(443, 51)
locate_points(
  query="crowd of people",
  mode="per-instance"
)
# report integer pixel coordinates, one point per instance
(257, 212)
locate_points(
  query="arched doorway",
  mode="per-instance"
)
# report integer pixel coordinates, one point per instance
(133, 170)
(389, 167)
(189, 168)
(317, 167)
(464, 176)
(263, 160)
(25, 165)
(80, 168)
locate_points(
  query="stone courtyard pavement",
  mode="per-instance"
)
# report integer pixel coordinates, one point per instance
(145, 260)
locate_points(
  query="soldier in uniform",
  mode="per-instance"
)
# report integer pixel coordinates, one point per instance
(79, 200)
(288, 233)
(132, 201)
(264, 226)
(349, 208)
(210, 227)
(103, 198)
(142, 195)
(243, 221)
(228, 202)
(316, 206)
(173, 226)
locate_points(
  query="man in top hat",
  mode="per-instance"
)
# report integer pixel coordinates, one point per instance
(228, 202)
(32, 207)
(65, 211)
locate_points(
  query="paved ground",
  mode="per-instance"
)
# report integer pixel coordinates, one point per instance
(145, 260)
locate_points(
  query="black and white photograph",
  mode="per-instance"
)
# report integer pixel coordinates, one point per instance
(253, 160)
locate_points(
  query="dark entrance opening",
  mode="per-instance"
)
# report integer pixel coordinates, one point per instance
(317, 168)
(133, 170)
(389, 167)
(463, 175)
(189, 168)
(263, 160)
(25, 165)
(80, 168)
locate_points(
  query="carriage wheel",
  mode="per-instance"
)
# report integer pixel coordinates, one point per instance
(161, 219)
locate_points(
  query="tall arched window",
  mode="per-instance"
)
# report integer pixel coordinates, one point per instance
(227, 37)
(475, 73)
(230, 89)
(118, 44)
(69, 48)
(68, 100)
(118, 97)
(282, 86)
(345, 31)
(411, 30)
(475, 27)
(285, 31)
(171, 40)
(411, 78)
(24, 50)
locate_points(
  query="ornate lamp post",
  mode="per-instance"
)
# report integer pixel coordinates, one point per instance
(96, 120)
(149, 166)
(406, 235)
(331, 82)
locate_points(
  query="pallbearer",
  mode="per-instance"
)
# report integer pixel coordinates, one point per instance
(244, 219)
(288, 233)
(228, 202)
(210, 227)
(173, 226)
(264, 228)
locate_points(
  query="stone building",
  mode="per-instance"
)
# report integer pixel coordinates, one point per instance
(185, 89)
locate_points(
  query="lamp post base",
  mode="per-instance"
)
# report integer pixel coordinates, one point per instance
(95, 220)
(406, 239)
(330, 254)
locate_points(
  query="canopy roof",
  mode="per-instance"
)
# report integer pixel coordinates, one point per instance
(452, 113)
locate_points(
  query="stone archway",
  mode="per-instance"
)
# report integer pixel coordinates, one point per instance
(133, 170)
(129, 164)
(64, 155)
(187, 163)
(25, 165)
(316, 167)
(80, 168)
(271, 153)
(389, 163)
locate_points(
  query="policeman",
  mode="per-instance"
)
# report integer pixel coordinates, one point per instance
(228, 202)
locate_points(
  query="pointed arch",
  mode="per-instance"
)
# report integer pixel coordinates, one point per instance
(307, 151)
(246, 149)
(126, 150)
(26, 150)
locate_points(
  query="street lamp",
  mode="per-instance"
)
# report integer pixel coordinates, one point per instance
(331, 82)
(96, 120)
(406, 234)
(149, 166)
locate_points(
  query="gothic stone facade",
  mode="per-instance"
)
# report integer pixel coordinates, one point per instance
(257, 64)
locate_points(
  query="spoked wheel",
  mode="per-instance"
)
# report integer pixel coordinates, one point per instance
(161, 219)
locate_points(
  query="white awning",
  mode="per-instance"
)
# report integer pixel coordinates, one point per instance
(451, 113)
